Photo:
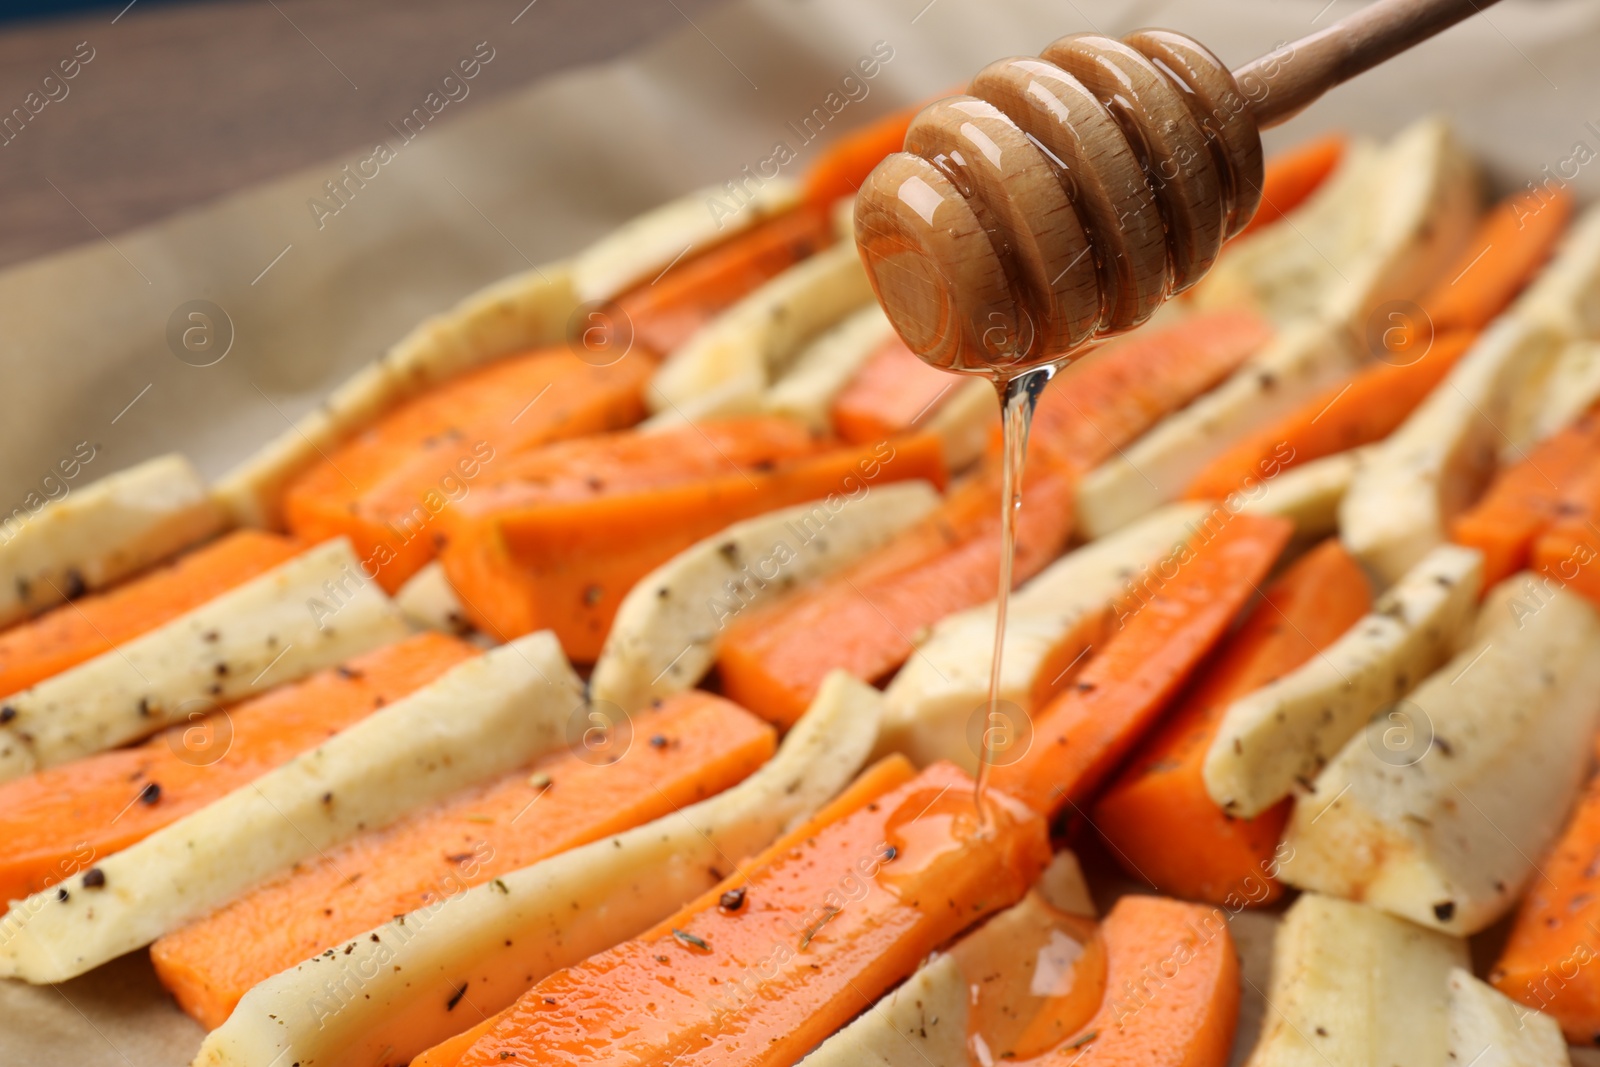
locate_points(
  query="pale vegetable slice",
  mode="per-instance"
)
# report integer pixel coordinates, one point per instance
(963, 421)
(648, 244)
(1489, 1029)
(1570, 389)
(932, 701)
(806, 391)
(665, 634)
(485, 717)
(1441, 457)
(1286, 272)
(1425, 212)
(510, 316)
(1566, 294)
(1299, 363)
(427, 600)
(314, 611)
(101, 533)
(754, 342)
(1308, 495)
(390, 996)
(1284, 733)
(1380, 229)
(1445, 833)
(923, 1022)
(1353, 987)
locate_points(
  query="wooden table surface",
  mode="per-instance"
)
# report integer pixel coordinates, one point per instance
(183, 103)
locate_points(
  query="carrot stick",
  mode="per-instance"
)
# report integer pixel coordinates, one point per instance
(865, 617)
(385, 489)
(698, 745)
(1172, 989)
(893, 392)
(1567, 551)
(665, 311)
(1119, 391)
(1292, 176)
(1365, 408)
(72, 633)
(760, 971)
(1512, 242)
(1539, 492)
(889, 773)
(1170, 625)
(58, 820)
(567, 564)
(1161, 823)
(846, 164)
(1547, 962)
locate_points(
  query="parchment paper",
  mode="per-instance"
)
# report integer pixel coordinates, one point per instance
(83, 335)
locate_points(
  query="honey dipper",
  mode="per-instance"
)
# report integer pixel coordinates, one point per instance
(1065, 198)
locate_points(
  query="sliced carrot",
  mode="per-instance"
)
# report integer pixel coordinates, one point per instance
(1530, 497)
(763, 969)
(865, 617)
(846, 164)
(1119, 391)
(1548, 961)
(893, 392)
(889, 773)
(54, 821)
(1365, 408)
(385, 489)
(72, 633)
(567, 564)
(1567, 552)
(664, 312)
(699, 745)
(1079, 738)
(1162, 824)
(1292, 176)
(1172, 989)
(1513, 241)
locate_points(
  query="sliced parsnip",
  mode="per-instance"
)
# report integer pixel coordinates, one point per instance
(513, 315)
(932, 701)
(485, 717)
(1286, 272)
(1427, 209)
(923, 1022)
(1436, 812)
(1284, 733)
(665, 634)
(1489, 1029)
(826, 365)
(920, 1023)
(314, 611)
(1308, 495)
(1434, 465)
(100, 533)
(1294, 367)
(427, 600)
(963, 421)
(1566, 294)
(752, 343)
(648, 244)
(390, 995)
(1570, 389)
(1353, 987)
(1380, 229)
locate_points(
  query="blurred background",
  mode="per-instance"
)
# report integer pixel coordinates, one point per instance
(183, 102)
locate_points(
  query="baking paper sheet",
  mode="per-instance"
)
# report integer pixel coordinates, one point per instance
(311, 295)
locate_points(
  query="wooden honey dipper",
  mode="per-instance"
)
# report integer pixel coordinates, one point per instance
(1066, 197)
